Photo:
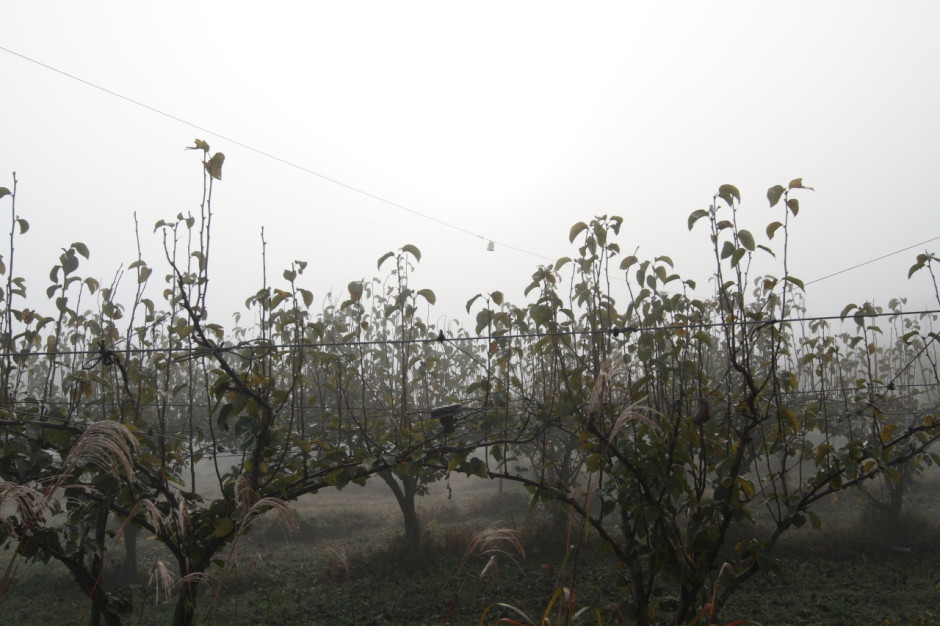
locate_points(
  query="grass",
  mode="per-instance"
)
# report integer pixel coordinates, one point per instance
(346, 565)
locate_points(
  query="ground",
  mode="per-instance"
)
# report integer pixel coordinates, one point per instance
(346, 566)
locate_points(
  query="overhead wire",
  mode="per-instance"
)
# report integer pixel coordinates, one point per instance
(614, 330)
(870, 261)
(353, 188)
(274, 157)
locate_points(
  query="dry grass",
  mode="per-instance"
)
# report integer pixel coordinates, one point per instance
(160, 581)
(107, 445)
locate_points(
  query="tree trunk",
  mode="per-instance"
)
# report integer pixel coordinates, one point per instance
(130, 554)
(99, 601)
(406, 495)
(185, 610)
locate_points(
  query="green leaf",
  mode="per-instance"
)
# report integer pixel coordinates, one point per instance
(497, 297)
(428, 295)
(355, 290)
(384, 258)
(471, 301)
(814, 520)
(224, 413)
(540, 314)
(695, 216)
(214, 165)
(81, 248)
(774, 194)
(290, 275)
(922, 261)
(69, 263)
(576, 230)
(484, 317)
(563, 261)
(772, 228)
(24, 225)
(143, 274)
(306, 296)
(736, 256)
(795, 281)
(628, 261)
(729, 193)
(4, 192)
(727, 250)
(412, 250)
(747, 239)
(794, 205)
(201, 258)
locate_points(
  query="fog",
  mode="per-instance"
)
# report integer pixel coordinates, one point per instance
(353, 130)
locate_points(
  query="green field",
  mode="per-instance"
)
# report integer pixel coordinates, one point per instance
(345, 566)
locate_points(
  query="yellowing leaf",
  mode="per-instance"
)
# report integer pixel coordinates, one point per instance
(772, 228)
(576, 230)
(746, 486)
(199, 145)
(794, 205)
(628, 261)
(892, 474)
(214, 165)
(428, 295)
(223, 527)
(886, 431)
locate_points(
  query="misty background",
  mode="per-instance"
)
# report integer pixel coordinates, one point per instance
(466, 123)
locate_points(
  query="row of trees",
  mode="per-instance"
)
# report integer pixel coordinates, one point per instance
(662, 424)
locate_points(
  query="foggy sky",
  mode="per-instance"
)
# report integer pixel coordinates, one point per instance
(511, 121)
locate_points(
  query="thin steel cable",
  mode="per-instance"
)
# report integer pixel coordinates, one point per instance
(274, 157)
(624, 330)
(353, 188)
(885, 256)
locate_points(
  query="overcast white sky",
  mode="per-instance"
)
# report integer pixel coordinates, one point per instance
(511, 120)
